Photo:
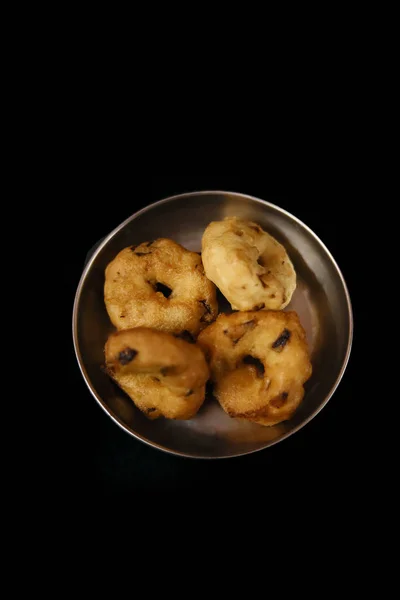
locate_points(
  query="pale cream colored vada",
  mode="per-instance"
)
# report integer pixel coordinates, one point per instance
(252, 269)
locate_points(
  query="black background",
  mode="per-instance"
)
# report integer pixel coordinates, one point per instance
(98, 458)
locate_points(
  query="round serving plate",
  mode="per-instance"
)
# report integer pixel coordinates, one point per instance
(321, 300)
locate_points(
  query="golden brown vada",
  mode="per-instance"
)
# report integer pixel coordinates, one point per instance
(163, 375)
(162, 285)
(259, 362)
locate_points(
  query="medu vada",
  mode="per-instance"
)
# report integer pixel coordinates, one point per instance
(164, 376)
(162, 285)
(259, 362)
(252, 270)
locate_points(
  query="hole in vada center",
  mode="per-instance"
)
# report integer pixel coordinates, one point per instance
(260, 261)
(256, 362)
(165, 290)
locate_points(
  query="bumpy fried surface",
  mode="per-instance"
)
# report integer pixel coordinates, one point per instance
(248, 265)
(163, 375)
(259, 362)
(162, 285)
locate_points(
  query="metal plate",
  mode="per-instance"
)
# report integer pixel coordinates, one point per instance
(321, 300)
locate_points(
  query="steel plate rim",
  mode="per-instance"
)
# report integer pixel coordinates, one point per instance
(165, 201)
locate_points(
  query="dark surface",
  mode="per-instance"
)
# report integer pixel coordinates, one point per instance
(99, 458)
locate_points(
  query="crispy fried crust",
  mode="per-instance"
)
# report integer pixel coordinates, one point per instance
(248, 265)
(163, 375)
(259, 363)
(162, 285)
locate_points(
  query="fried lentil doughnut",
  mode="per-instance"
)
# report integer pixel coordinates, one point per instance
(163, 375)
(259, 362)
(159, 284)
(248, 265)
